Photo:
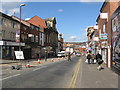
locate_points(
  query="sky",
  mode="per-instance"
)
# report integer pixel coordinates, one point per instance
(72, 17)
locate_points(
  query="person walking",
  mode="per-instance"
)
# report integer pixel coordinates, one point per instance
(89, 57)
(99, 61)
(92, 59)
(69, 56)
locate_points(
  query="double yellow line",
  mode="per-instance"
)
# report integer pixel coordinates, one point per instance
(74, 78)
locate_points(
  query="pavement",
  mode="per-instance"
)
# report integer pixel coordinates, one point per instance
(90, 77)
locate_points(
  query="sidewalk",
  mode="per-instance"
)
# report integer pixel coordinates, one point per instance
(90, 77)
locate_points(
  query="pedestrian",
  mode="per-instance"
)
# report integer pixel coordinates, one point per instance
(69, 56)
(92, 59)
(89, 57)
(99, 61)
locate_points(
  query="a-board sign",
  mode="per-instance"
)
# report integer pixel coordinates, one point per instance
(19, 54)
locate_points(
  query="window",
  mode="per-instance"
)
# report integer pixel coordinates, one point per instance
(37, 28)
(41, 35)
(36, 38)
(25, 28)
(32, 38)
(104, 28)
(1, 21)
(32, 27)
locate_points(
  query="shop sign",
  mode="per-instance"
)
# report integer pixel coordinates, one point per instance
(19, 55)
(14, 44)
(1, 42)
(103, 15)
(103, 36)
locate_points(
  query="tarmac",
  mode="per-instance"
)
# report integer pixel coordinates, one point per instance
(88, 76)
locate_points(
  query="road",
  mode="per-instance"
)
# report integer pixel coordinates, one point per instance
(61, 74)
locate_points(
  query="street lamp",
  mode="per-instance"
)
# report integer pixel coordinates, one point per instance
(20, 23)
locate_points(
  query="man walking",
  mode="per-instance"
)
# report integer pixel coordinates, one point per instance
(89, 57)
(99, 61)
(69, 56)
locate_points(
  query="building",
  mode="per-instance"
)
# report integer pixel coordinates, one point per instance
(75, 47)
(104, 30)
(91, 31)
(60, 43)
(51, 35)
(115, 20)
(41, 24)
(8, 41)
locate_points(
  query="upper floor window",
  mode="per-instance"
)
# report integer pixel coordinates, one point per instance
(36, 38)
(25, 28)
(32, 27)
(37, 28)
(104, 28)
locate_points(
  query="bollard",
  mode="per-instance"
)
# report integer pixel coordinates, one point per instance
(52, 60)
(28, 65)
(39, 61)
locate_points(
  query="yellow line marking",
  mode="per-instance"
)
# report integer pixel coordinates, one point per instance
(74, 78)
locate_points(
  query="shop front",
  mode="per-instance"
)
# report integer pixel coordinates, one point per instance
(7, 49)
(116, 41)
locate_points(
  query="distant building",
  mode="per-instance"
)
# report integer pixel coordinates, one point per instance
(60, 43)
(77, 46)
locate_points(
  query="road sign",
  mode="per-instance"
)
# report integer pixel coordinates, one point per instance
(19, 55)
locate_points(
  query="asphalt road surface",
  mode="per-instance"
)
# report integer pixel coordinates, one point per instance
(52, 75)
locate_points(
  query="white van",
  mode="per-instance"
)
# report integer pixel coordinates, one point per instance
(62, 54)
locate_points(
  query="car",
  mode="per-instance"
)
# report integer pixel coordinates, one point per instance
(62, 54)
(78, 54)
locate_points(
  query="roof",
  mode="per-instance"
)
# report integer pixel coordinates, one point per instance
(51, 19)
(105, 2)
(37, 21)
(22, 21)
(8, 17)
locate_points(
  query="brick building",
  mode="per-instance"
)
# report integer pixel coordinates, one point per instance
(104, 29)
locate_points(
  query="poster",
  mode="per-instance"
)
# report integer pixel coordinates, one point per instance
(19, 55)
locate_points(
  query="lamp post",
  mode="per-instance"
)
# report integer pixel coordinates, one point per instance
(20, 24)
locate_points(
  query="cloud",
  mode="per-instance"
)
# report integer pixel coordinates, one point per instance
(13, 11)
(10, 8)
(60, 10)
(73, 38)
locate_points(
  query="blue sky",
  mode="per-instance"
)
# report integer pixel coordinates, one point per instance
(72, 17)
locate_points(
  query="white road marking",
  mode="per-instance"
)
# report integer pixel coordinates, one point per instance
(10, 76)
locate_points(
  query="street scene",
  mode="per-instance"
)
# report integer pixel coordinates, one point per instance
(71, 45)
